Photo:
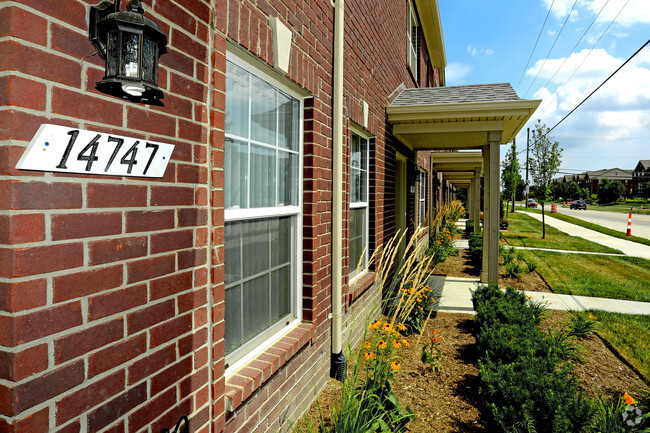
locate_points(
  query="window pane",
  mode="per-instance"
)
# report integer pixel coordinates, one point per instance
(233, 319)
(236, 174)
(263, 111)
(287, 175)
(262, 193)
(257, 314)
(255, 247)
(281, 240)
(355, 186)
(280, 293)
(232, 256)
(357, 238)
(288, 122)
(237, 98)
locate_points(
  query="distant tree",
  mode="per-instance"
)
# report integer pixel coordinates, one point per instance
(546, 157)
(510, 176)
(572, 191)
(560, 190)
(646, 189)
(609, 191)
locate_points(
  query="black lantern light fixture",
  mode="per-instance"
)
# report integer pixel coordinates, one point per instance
(130, 44)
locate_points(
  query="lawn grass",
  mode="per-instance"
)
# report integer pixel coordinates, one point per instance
(591, 226)
(527, 232)
(630, 335)
(617, 277)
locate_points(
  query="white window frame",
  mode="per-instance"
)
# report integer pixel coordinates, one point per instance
(353, 274)
(422, 197)
(412, 47)
(249, 350)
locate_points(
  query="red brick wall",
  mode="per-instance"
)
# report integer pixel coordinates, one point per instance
(104, 319)
(112, 289)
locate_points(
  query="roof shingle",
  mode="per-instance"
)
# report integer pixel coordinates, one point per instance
(456, 94)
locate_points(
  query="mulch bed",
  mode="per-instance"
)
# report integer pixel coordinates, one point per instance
(446, 401)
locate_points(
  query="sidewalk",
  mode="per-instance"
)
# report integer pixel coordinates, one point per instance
(454, 296)
(628, 248)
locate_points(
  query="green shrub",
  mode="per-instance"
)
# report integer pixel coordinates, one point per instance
(524, 384)
(469, 227)
(582, 325)
(531, 265)
(504, 224)
(476, 248)
(514, 269)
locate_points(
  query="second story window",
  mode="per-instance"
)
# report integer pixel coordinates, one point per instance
(413, 35)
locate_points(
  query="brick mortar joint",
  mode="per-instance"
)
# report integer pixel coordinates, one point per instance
(305, 330)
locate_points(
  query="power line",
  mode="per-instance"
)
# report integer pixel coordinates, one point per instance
(588, 54)
(576, 46)
(535, 46)
(601, 85)
(552, 46)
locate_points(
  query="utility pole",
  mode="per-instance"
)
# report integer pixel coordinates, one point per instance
(527, 146)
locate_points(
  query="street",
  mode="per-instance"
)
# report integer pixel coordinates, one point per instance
(611, 220)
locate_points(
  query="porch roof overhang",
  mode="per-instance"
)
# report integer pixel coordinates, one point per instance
(457, 161)
(458, 117)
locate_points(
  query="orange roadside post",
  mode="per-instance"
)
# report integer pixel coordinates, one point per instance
(629, 224)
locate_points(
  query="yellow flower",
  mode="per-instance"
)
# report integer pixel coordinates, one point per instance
(382, 344)
(401, 327)
(387, 327)
(628, 399)
(369, 356)
(375, 325)
(396, 344)
(395, 365)
(406, 343)
(367, 345)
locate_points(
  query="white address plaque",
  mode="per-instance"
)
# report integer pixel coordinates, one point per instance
(69, 150)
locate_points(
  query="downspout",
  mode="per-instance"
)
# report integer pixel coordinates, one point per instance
(337, 365)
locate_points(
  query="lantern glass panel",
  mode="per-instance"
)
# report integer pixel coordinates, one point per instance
(112, 53)
(149, 57)
(130, 55)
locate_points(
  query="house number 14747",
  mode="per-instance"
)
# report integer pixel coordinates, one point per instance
(62, 149)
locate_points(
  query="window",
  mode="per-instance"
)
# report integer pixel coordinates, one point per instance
(358, 242)
(262, 170)
(413, 34)
(422, 198)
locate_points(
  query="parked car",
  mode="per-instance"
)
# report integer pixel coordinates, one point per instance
(532, 202)
(578, 204)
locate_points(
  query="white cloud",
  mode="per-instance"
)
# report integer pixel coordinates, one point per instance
(633, 12)
(610, 129)
(456, 73)
(636, 11)
(474, 51)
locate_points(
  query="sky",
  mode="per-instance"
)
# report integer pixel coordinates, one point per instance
(581, 43)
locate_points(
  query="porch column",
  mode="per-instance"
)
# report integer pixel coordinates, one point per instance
(475, 207)
(491, 214)
(486, 212)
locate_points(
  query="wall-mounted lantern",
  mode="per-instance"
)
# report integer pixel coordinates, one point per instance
(130, 44)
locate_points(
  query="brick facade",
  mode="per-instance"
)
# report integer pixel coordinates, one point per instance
(112, 288)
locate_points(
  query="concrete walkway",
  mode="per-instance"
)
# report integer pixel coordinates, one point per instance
(454, 295)
(628, 248)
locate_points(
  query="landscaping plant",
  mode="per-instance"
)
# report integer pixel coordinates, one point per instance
(524, 384)
(431, 354)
